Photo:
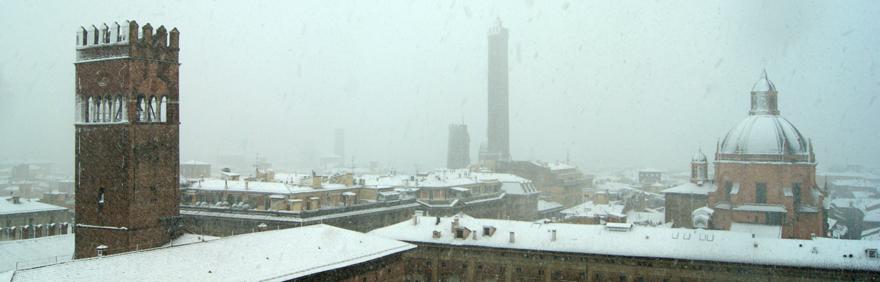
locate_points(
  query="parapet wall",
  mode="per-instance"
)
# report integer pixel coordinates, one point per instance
(126, 40)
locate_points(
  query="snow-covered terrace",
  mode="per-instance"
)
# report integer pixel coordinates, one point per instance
(260, 187)
(263, 256)
(691, 189)
(639, 241)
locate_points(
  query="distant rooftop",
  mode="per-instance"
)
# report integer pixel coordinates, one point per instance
(691, 188)
(265, 256)
(7, 206)
(639, 241)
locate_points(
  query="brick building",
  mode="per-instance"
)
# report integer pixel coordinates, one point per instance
(127, 144)
(765, 171)
(463, 248)
(27, 218)
(682, 200)
(558, 182)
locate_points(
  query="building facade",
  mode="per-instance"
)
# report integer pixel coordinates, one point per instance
(765, 171)
(458, 152)
(127, 141)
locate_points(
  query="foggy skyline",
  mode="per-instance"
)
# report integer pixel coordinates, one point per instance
(614, 84)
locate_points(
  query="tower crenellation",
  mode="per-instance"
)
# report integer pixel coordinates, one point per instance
(114, 40)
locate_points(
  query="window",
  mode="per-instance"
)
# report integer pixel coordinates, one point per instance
(728, 187)
(100, 199)
(163, 109)
(872, 253)
(141, 109)
(796, 193)
(761, 193)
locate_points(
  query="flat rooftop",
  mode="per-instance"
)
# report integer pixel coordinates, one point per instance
(267, 256)
(641, 241)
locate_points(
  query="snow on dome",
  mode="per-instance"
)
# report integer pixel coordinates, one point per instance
(764, 135)
(699, 157)
(763, 84)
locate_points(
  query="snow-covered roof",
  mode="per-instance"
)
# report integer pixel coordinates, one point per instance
(523, 188)
(651, 242)
(212, 184)
(853, 182)
(760, 230)
(764, 135)
(547, 205)
(25, 206)
(35, 252)
(691, 188)
(194, 162)
(272, 255)
(590, 209)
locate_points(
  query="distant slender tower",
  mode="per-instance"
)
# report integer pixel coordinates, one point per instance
(339, 144)
(127, 144)
(458, 152)
(499, 125)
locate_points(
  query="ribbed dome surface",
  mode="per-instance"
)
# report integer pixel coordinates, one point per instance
(764, 135)
(699, 157)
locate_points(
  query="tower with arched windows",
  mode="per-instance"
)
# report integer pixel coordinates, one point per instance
(127, 141)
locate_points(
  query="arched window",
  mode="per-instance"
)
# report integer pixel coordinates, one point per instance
(141, 108)
(96, 109)
(80, 109)
(153, 108)
(106, 104)
(163, 109)
(88, 108)
(119, 114)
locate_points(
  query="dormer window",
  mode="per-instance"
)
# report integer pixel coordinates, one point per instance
(488, 231)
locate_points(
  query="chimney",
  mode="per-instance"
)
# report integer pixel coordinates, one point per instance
(553, 235)
(454, 224)
(246, 185)
(316, 181)
(415, 220)
(101, 249)
(16, 200)
(512, 237)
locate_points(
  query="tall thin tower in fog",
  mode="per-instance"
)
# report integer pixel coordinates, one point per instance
(458, 151)
(339, 143)
(498, 119)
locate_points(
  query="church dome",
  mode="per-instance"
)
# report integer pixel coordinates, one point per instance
(764, 135)
(699, 157)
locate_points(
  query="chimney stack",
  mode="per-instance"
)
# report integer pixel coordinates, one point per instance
(101, 249)
(512, 237)
(553, 235)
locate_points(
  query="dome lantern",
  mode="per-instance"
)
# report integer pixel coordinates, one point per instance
(764, 97)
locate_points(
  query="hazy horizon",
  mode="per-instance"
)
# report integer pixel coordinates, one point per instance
(642, 84)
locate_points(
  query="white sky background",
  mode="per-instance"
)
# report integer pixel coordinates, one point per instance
(640, 84)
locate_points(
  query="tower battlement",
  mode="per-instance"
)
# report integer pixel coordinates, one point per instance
(126, 40)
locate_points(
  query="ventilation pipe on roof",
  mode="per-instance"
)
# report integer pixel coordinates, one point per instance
(512, 237)
(101, 249)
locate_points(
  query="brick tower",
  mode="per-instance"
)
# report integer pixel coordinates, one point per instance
(127, 144)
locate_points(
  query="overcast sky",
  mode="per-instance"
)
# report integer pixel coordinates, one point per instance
(637, 84)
